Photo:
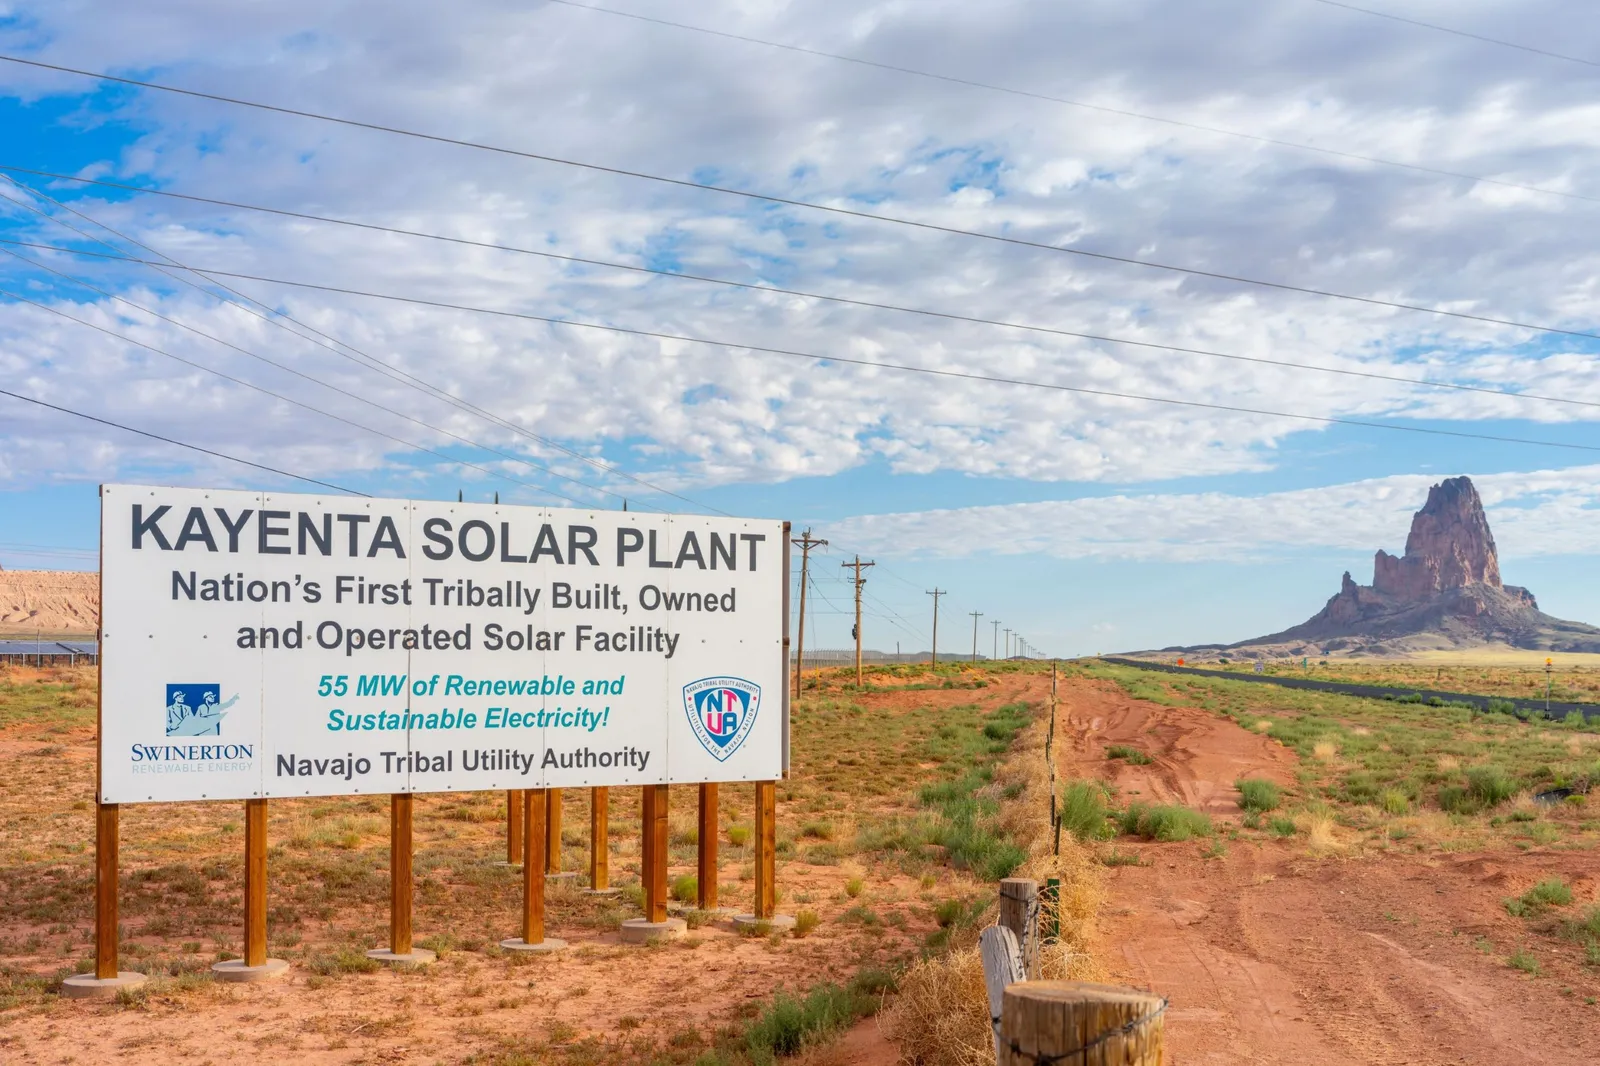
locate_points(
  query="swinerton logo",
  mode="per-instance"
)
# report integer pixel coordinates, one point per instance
(721, 711)
(193, 710)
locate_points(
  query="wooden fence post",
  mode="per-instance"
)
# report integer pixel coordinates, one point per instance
(706, 873)
(106, 980)
(600, 839)
(1019, 912)
(1002, 966)
(533, 862)
(255, 966)
(513, 827)
(1080, 1023)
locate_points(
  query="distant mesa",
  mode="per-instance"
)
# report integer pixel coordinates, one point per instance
(1445, 592)
(51, 601)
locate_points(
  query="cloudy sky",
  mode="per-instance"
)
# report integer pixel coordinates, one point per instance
(1298, 142)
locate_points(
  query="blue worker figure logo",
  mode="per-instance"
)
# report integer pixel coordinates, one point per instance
(195, 710)
(721, 710)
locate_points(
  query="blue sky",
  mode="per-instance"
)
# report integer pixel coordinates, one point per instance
(1086, 523)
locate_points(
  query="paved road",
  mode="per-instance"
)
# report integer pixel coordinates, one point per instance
(1524, 707)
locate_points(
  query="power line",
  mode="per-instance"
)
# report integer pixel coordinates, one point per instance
(854, 302)
(178, 443)
(300, 374)
(365, 359)
(1431, 26)
(685, 183)
(961, 375)
(1086, 106)
(280, 396)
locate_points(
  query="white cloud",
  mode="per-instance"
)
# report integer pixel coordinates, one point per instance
(614, 91)
(1547, 512)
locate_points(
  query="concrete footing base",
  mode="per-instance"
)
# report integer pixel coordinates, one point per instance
(568, 875)
(777, 923)
(640, 931)
(548, 944)
(236, 971)
(414, 957)
(88, 986)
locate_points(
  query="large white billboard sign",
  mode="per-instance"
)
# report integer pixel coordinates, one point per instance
(269, 644)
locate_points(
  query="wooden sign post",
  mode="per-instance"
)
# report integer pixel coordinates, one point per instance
(706, 872)
(552, 836)
(255, 966)
(600, 842)
(533, 861)
(401, 951)
(654, 843)
(107, 980)
(765, 910)
(513, 827)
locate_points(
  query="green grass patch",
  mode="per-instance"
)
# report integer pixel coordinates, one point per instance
(1132, 755)
(1083, 810)
(1165, 822)
(1552, 892)
(1258, 795)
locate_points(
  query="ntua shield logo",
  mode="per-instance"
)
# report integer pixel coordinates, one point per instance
(193, 710)
(722, 710)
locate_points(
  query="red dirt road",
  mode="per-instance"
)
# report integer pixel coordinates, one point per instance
(1270, 955)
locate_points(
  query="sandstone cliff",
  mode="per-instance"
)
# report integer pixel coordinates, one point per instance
(1444, 592)
(56, 601)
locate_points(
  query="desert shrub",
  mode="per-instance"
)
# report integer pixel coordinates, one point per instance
(1453, 799)
(1083, 810)
(948, 912)
(344, 960)
(1394, 801)
(1132, 755)
(686, 889)
(791, 1024)
(853, 887)
(1410, 697)
(805, 922)
(1165, 822)
(1552, 892)
(738, 835)
(1499, 706)
(1490, 785)
(1523, 960)
(1283, 827)
(1256, 794)
(818, 830)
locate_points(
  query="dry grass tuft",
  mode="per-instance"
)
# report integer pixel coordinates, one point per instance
(1325, 750)
(1262, 725)
(1320, 835)
(941, 1015)
(1448, 764)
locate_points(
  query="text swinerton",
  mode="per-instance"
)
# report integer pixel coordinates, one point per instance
(328, 533)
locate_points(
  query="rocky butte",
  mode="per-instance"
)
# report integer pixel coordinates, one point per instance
(1444, 592)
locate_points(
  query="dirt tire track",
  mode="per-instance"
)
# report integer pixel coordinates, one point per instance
(1271, 956)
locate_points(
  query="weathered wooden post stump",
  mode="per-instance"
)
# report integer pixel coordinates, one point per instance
(1080, 1023)
(1019, 912)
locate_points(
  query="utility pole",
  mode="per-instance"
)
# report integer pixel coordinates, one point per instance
(855, 631)
(1008, 644)
(975, 616)
(805, 542)
(994, 652)
(936, 593)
